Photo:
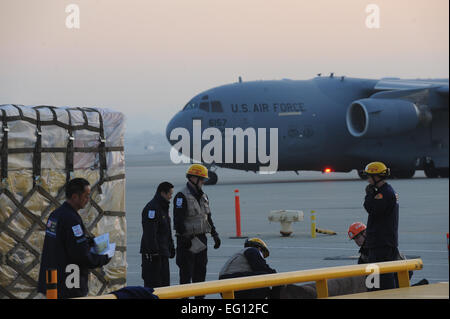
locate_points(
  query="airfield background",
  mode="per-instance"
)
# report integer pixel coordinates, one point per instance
(336, 197)
(147, 58)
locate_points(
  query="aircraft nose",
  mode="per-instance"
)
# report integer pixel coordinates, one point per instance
(174, 123)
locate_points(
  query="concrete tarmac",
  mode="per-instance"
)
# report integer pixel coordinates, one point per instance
(337, 199)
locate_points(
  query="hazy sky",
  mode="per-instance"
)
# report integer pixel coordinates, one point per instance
(147, 58)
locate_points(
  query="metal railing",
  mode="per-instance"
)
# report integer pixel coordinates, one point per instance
(227, 287)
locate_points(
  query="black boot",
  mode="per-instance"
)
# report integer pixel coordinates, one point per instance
(421, 283)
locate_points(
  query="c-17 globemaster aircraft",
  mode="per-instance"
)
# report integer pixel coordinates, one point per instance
(328, 123)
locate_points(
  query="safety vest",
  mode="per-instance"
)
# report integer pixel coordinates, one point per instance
(196, 221)
(236, 264)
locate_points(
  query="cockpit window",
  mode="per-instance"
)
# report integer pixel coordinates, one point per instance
(190, 106)
(205, 97)
(204, 106)
(216, 106)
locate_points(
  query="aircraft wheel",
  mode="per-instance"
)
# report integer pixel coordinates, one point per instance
(212, 179)
(361, 175)
(431, 172)
(443, 172)
(403, 174)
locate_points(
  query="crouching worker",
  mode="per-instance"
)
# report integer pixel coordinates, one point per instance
(250, 261)
(357, 233)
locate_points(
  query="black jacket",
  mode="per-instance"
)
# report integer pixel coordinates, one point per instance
(363, 254)
(180, 210)
(156, 225)
(382, 224)
(66, 243)
(257, 262)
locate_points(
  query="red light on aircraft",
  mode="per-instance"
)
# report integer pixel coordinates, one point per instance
(327, 170)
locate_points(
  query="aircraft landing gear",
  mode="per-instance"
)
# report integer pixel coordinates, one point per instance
(400, 174)
(443, 172)
(361, 174)
(429, 169)
(212, 178)
(403, 174)
(432, 172)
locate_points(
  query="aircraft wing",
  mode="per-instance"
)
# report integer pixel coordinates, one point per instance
(416, 91)
(399, 84)
(443, 90)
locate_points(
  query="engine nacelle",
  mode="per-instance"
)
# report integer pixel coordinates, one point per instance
(381, 117)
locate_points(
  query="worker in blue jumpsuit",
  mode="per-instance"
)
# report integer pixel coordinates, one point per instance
(192, 221)
(157, 243)
(250, 261)
(66, 244)
(381, 203)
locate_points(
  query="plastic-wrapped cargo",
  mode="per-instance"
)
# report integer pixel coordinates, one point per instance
(42, 147)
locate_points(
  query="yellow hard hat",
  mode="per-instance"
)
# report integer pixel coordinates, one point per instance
(197, 170)
(377, 168)
(258, 243)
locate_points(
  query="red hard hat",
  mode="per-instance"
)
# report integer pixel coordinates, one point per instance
(355, 229)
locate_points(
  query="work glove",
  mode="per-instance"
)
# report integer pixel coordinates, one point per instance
(107, 260)
(186, 242)
(216, 241)
(171, 251)
(90, 240)
(370, 189)
(150, 257)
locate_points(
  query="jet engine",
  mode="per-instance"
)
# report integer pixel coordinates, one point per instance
(372, 117)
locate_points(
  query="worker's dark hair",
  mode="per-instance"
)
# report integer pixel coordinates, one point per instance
(76, 186)
(164, 187)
